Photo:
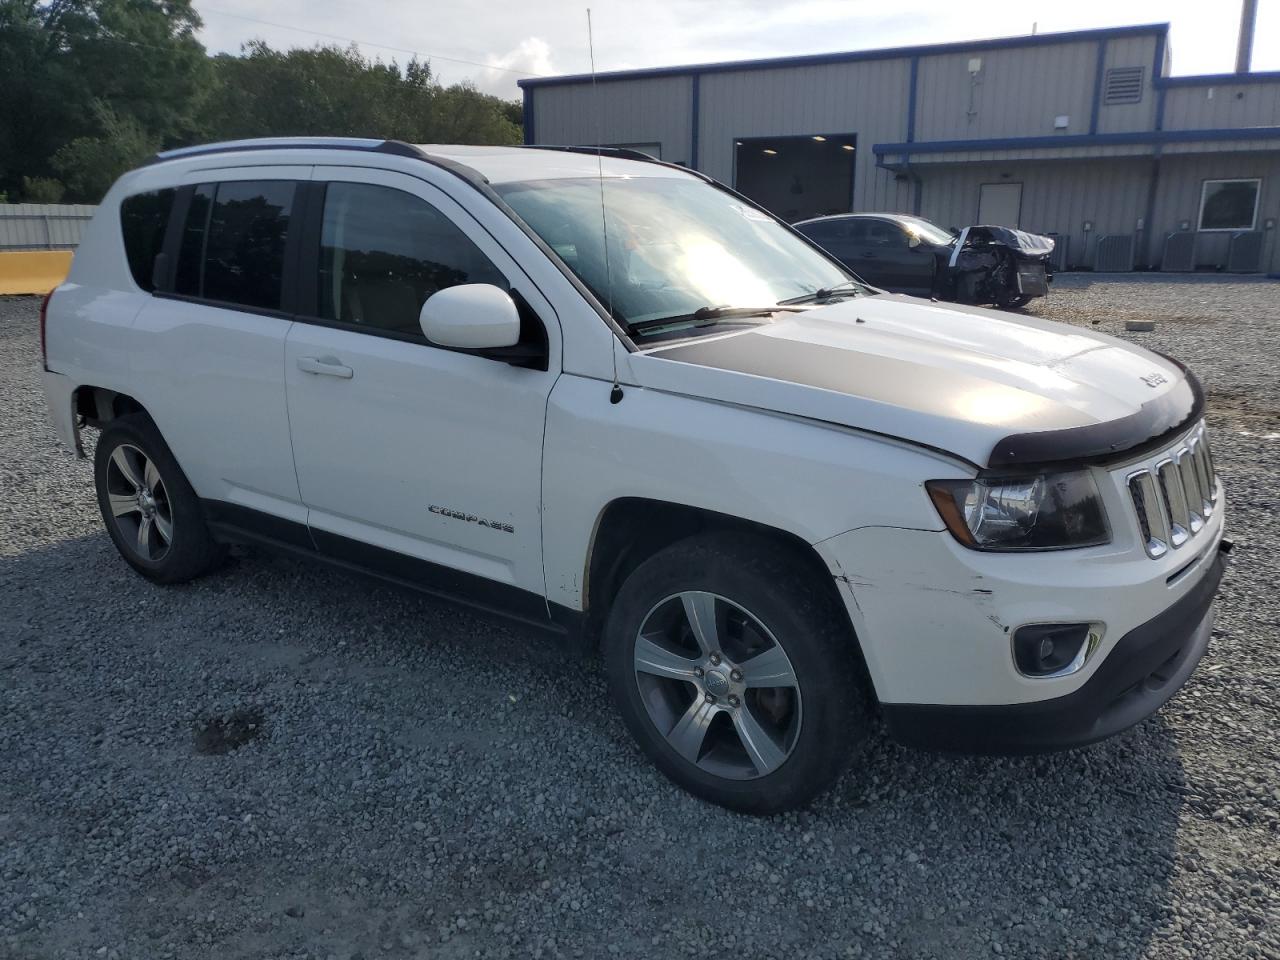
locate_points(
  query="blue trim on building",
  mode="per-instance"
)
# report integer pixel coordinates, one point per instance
(911, 99)
(526, 118)
(1080, 140)
(694, 111)
(889, 53)
(1222, 79)
(1098, 73)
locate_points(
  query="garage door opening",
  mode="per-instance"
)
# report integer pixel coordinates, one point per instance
(797, 177)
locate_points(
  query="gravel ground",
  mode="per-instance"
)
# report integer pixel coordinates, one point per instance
(277, 762)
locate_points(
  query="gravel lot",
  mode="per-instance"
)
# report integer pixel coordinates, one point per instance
(418, 782)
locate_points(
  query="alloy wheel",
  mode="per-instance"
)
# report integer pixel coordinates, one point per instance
(139, 501)
(717, 685)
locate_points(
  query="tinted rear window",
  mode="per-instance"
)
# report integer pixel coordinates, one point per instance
(143, 218)
(233, 243)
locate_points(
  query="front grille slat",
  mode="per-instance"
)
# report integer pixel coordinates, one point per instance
(1173, 498)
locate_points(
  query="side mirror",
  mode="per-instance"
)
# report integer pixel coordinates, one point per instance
(471, 316)
(913, 241)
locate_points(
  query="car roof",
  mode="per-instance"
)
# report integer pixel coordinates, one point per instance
(496, 164)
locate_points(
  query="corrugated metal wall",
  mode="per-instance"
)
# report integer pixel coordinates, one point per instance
(656, 110)
(1178, 199)
(42, 226)
(1130, 52)
(1017, 93)
(1230, 105)
(1056, 198)
(866, 99)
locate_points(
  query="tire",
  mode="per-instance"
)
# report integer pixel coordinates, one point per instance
(759, 596)
(151, 513)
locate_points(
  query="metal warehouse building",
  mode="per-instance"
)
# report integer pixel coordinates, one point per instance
(1081, 135)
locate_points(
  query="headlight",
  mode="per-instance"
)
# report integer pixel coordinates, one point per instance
(1043, 512)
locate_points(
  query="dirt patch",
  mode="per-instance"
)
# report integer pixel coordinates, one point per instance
(1242, 412)
(219, 735)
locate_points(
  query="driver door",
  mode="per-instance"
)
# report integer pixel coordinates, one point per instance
(419, 461)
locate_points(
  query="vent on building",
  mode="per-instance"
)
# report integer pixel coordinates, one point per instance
(1179, 252)
(1114, 253)
(1124, 85)
(1058, 259)
(1245, 253)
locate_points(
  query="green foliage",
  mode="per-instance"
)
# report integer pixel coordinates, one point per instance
(41, 190)
(89, 165)
(57, 59)
(90, 88)
(331, 91)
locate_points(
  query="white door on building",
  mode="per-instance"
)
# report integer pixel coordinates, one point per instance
(999, 204)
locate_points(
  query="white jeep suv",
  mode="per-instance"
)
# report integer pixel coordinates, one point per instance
(610, 398)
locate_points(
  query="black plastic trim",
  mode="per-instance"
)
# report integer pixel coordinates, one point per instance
(232, 523)
(1152, 427)
(1141, 673)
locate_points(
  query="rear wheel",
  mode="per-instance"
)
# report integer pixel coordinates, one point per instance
(736, 672)
(151, 513)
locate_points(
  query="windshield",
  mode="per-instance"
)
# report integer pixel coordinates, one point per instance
(926, 231)
(675, 245)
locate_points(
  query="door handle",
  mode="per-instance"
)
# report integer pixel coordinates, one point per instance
(325, 367)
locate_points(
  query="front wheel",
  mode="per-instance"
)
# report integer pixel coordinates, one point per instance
(736, 672)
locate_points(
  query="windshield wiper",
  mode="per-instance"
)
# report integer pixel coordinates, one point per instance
(705, 316)
(826, 293)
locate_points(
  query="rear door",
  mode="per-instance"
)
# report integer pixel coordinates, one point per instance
(422, 462)
(210, 356)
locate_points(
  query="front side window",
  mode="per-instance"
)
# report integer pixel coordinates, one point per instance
(383, 252)
(143, 219)
(1229, 204)
(675, 245)
(232, 248)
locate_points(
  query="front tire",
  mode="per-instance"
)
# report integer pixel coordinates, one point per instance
(736, 672)
(150, 511)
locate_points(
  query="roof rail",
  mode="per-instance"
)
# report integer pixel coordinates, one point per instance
(622, 153)
(396, 147)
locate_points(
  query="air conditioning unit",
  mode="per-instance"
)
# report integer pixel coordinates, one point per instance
(1058, 259)
(1179, 252)
(1245, 253)
(1114, 253)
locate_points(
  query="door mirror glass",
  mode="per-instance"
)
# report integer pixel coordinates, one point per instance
(913, 241)
(471, 316)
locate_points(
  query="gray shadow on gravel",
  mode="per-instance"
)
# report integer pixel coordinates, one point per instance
(436, 784)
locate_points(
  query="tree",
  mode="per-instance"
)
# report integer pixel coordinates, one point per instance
(89, 165)
(332, 91)
(58, 58)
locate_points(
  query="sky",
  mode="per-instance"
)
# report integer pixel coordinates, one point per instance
(495, 43)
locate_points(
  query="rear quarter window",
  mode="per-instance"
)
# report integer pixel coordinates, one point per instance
(143, 219)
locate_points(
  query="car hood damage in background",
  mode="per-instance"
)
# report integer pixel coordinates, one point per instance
(999, 265)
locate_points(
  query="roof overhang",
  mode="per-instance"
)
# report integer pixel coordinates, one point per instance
(1141, 143)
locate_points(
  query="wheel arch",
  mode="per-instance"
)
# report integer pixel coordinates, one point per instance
(629, 530)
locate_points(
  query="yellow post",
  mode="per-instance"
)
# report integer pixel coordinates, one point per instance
(32, 271)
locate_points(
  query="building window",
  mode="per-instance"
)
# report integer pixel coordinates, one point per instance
(1229, 204)
(1123, 85)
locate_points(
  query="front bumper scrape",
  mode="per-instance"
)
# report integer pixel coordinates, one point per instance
(1142, 672)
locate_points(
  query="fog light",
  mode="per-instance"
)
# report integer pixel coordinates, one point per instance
(1053, 649)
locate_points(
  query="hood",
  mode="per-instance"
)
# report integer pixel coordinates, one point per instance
(994, 389)
(1029, 245)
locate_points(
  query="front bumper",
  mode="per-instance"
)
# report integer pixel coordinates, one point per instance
(1144, 669)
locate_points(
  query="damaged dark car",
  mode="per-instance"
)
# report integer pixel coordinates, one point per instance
(905, 254)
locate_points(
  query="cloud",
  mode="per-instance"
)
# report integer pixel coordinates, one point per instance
(530, 57)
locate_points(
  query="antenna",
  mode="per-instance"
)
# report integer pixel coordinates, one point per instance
(616, 393)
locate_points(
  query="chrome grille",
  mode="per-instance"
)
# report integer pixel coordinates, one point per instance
(1175, 496)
